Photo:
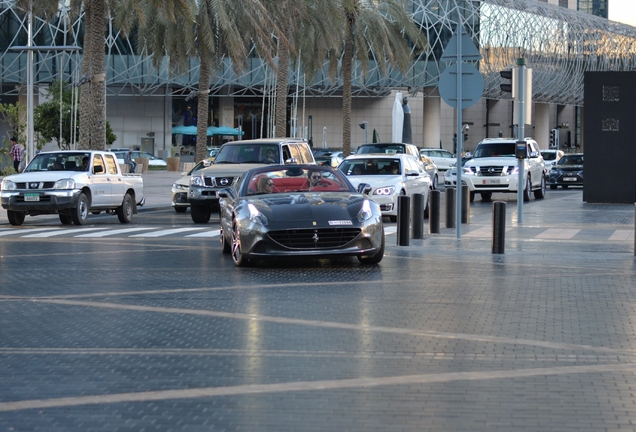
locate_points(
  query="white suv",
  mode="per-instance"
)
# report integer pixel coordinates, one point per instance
(493, 168)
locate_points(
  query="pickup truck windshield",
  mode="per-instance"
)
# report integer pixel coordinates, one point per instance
(76, 161)
(495, 150)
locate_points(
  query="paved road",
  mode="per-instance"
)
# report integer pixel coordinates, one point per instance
(121, 332)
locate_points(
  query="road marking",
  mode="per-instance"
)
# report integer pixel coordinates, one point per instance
(483, 232)
(556, 233)
(166, 232)
(367, 382)
(622, 235)
(113, 232)
(11, 231)
(60, 231)
(214, 233)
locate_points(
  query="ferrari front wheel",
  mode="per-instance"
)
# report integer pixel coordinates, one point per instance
(237, 254)
(374, 259)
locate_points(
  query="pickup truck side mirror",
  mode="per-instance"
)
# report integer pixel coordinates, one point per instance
(98, 169)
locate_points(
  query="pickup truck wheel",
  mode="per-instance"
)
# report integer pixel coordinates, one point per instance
(181, 209)
(126, 209)
(15, 217)
(527, 189)
(80, 213)
(66, 219)
(200, 214)
(540, 193)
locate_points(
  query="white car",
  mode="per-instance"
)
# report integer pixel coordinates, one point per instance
(551, 157)
(152, 160)
(389, 175)
(442, 158)
(180, 188)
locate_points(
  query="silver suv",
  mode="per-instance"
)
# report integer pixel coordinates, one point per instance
(234, 159)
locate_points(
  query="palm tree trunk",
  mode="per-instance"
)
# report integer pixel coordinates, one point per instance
(203, 108)
(347, 61)
(282, 80)
(93, 94)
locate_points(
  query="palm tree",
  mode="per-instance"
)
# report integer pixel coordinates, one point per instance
(93, 94)
(312, 31)
(383, 28)
(219, 29)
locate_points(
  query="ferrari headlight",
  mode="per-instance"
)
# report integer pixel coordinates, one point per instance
(256, 216)
(64, 184)
(388, 190)
(365, 212)
(7, 185)
(197, 181)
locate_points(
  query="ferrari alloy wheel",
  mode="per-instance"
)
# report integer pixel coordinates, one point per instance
(237, 255)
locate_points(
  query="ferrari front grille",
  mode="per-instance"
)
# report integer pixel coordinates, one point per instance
(307, 239)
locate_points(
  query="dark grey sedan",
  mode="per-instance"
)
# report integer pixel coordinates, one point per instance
(300, 210)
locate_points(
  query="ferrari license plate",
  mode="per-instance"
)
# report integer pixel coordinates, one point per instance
(569, 178)
(31, 197)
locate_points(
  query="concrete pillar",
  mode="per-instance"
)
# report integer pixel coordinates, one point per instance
(431, 116)
(226, 105)
(542, 125)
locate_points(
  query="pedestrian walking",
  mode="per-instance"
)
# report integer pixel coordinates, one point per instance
(16, 153)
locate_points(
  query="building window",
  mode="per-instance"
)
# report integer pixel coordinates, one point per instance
(563, 3)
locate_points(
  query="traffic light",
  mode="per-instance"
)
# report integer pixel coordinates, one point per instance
(506, 74)
(554, 138)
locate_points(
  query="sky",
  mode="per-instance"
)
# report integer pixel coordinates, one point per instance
(623, 11)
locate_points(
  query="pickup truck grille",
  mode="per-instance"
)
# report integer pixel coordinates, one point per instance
(308, 239)
(490, 171)
(35, 185)
(219, 181)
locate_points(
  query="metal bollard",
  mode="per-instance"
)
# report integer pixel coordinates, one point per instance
(451, 207)
(498, 227)
(434, 199)
(465, 205)
(403, 220)
(418, 216)
(634, 229)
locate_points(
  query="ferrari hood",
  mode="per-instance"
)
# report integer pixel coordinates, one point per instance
(293, 208)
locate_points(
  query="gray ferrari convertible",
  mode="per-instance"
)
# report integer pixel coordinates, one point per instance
(299, 210)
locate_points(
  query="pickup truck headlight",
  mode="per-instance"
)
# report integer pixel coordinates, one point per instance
(388, 190)
(197, 181)
(7, 185)
(256, 216)
(64, 184)
(365, 212)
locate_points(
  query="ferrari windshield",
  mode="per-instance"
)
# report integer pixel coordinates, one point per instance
(295, 179)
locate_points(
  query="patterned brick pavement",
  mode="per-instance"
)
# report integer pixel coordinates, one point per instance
(442, 335)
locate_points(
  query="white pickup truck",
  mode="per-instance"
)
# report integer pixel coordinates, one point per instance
(72, 184)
